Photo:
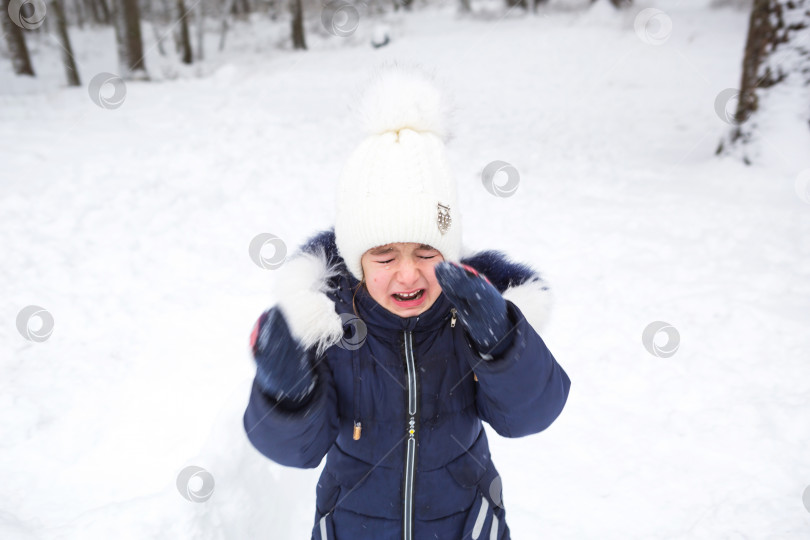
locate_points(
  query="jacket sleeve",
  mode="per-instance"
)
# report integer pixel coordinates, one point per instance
(523, 390)
(295, 438)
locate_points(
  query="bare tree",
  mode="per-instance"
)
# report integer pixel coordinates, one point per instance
(185, 40)
(618, 4)
(102, 11)
(81, 14)
(777, 53)
(297, 25)
(96, 8)
(240, 9)
(228, 9)
(528, 5)
(15, 42)
(128, 37)
(64, 43)
(200, 18)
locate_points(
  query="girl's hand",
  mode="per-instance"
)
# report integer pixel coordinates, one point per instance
(283, 370)
(481, 308)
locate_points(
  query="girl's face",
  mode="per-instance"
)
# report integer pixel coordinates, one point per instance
(402, 268)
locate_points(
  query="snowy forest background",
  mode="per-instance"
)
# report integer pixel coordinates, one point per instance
(661, 148)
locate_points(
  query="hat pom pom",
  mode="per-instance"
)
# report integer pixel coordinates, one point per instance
(400, 97)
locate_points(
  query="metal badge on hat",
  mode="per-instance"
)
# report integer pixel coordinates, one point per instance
(443, 217)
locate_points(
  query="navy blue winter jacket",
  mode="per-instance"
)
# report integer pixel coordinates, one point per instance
(432, 478)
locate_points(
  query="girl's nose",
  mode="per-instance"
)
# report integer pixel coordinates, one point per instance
(408, 272)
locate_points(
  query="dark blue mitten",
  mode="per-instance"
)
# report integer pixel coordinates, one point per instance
(480, 307)
(283, 370)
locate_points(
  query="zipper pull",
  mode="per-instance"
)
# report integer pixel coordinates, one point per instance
(453, 319)
(357, 429)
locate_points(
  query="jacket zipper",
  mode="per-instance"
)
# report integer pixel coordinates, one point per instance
(453, 325)
(410, 454)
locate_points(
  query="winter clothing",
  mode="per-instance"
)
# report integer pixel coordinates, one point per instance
(397, 185)
(481, 308)
(283, 370)
(399, 418)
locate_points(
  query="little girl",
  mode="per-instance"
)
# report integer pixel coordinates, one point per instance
(388, 346)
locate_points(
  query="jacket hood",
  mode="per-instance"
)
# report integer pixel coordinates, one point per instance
(309, 277)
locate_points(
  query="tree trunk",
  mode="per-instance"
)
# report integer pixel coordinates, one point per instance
(15, 43)
(199, 16)
(228, 7)
(64, 42)
(80, 13)
(618, 4)
(240, 7)
(298, 25)
(91, 7)
(776, 53)
(90, 10)
(104, 11)
(185, 41)
(128, 38)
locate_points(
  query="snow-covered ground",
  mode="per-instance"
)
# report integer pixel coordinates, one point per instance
(131, 228)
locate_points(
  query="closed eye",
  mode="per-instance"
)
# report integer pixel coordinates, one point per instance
(389, 260)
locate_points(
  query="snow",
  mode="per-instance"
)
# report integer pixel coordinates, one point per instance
(131, 227)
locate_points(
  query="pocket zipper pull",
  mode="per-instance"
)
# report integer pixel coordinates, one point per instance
(453, 319)
(357, 429)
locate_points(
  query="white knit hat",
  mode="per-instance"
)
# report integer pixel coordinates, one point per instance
(397, 185)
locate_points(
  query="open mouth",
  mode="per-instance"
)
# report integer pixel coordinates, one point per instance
(403, 297)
